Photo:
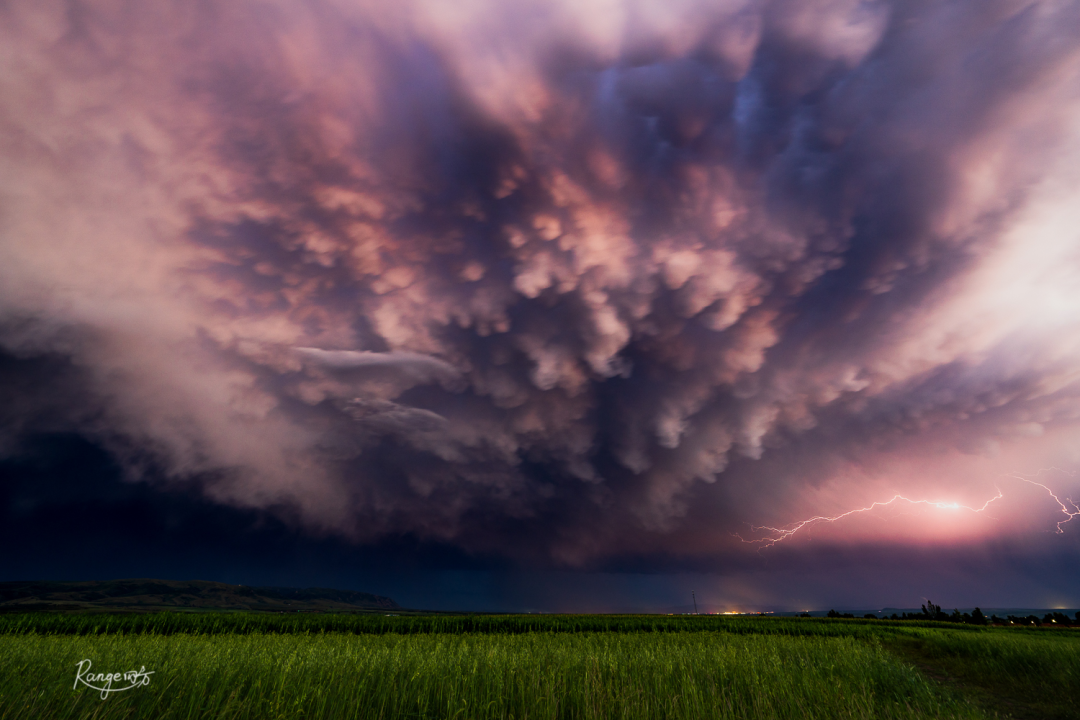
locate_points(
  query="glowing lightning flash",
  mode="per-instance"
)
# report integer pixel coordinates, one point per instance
(783, 533)
(776, 535)
(1069, 515)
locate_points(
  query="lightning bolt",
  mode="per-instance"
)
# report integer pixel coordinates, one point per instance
(780, 534)
(776, 535)
(1069, 514)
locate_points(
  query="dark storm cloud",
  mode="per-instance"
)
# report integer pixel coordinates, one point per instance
(554, 281)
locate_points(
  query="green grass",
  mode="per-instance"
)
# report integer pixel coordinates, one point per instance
(168, 623)
(1028, 674)
(539, 675)
(282, 666)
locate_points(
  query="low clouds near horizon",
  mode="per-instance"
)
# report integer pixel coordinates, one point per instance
(561, 281)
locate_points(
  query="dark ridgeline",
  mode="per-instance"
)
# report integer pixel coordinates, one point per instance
(145, 594)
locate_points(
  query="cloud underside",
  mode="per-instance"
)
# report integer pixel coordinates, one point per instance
(556, 280)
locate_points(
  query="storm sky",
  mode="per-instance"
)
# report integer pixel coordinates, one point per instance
(558, 303)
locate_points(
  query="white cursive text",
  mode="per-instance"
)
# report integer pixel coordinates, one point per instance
(133, 678)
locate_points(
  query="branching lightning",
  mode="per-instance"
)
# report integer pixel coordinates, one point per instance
(783, 533)
(776, 535)
(1069, 514)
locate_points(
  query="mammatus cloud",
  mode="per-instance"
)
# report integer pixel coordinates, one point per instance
(556, 280)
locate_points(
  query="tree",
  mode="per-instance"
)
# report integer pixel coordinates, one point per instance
(977, 617)
(933, 612)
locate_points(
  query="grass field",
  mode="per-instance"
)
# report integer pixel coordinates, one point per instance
(344, 666)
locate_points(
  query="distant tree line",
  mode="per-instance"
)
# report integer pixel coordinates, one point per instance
(930, 611)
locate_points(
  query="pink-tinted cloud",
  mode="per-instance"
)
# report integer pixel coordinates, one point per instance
(558, 280)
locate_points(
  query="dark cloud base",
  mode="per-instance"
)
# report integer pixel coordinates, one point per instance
(66, 507)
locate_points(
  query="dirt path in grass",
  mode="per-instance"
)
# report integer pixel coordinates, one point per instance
(979, 690)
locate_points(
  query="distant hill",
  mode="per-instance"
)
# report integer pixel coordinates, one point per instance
(145, 595)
